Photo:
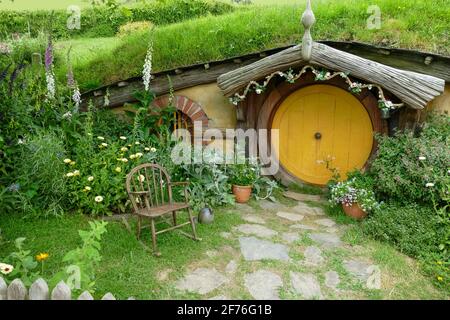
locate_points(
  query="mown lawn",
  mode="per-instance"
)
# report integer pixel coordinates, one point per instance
(422, 25)
(128, 269)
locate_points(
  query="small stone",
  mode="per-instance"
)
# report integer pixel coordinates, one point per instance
(225, 235)
(306, 285)
(256, 249)
(332, 279)
(313, 256)
(327, 240)
(257, 230)
(243, 207)
(263, 285)
(163, 275)
(202, 281)
(211, 253)
(301, 197)
(290, 237)
(302, 227)
(326, 222)
(271, 206)
(231, 267)
(303, 208)
(332, 230)
(253, 218)
(290, 216)
(358, 269)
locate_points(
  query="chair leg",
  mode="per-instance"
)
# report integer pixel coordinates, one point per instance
(174, 216)
(191, 219)
(155, 250)
(139, 228)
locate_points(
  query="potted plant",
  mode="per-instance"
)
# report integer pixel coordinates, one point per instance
(243, 176)
(356, 201)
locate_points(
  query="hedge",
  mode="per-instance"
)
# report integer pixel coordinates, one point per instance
(102, 21)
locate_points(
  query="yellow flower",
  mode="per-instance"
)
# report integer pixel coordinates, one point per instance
(129, 146)
(137, 143)
(133, 156)
(98, 199)
(153, 149)
(104, 144)
(87, 188)
(6, 268)
(76, 173)
(42, 256)
(91, 178)
(100, 138)
(147, 149)
(118, 169)
(123, 138)
(72, 163)
(124, 160)
(70, 174)
(138, 155)
(141, 178)
(440, 278)
(124, 149)
(67, 161)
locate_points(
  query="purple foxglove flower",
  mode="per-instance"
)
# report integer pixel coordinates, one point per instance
(49, 55)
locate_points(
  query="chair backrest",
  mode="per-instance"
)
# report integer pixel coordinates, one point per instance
(148, 185)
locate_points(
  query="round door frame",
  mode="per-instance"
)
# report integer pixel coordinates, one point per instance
(280, 92)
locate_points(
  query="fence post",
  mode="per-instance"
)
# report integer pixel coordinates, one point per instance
(17, 290)
(3, 289)
(85, 296)
(39, 290)
(108, 296)
(62, 292)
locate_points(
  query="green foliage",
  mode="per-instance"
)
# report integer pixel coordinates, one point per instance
(410, 168)
(41, 174)
(23, 263)
(105, 20)
(86, 258)
(244, 174)
(415, 230)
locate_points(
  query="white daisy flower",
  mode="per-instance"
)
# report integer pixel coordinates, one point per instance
(98, 199)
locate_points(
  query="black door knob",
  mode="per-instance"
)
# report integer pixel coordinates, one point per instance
(318, 136)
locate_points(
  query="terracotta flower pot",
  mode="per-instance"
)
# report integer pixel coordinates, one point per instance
(354, 211)
(242, 193)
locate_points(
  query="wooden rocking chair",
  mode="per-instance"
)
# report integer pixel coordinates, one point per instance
(150, 191)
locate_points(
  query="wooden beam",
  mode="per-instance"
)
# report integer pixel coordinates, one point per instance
(415, 89)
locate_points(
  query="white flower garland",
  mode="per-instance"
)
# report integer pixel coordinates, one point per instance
(291, 77)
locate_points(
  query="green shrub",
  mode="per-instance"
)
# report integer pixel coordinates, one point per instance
(104, 21)
(410, 168)
(415, 230)
(41, 174)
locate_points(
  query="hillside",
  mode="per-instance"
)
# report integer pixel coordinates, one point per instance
(422, 25)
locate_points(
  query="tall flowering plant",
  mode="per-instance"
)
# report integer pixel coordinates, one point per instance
(49, 75)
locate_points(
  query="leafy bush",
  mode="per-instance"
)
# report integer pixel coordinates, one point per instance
(410, 168)
(244, 174)
(132, 27)
(105, 20)
(41, 172)
(416, 231)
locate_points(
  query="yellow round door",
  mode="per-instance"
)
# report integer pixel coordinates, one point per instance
(322, 127)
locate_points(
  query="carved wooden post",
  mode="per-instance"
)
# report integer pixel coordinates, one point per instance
(39, 290)
(17, 290)
(3, 289)
(62, 292)
(85, 296)
(308, 20)
(108, 296)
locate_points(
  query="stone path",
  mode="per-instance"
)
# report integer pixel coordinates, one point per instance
(274, 243)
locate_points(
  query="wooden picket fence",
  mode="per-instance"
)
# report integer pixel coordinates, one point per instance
(39, 291)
